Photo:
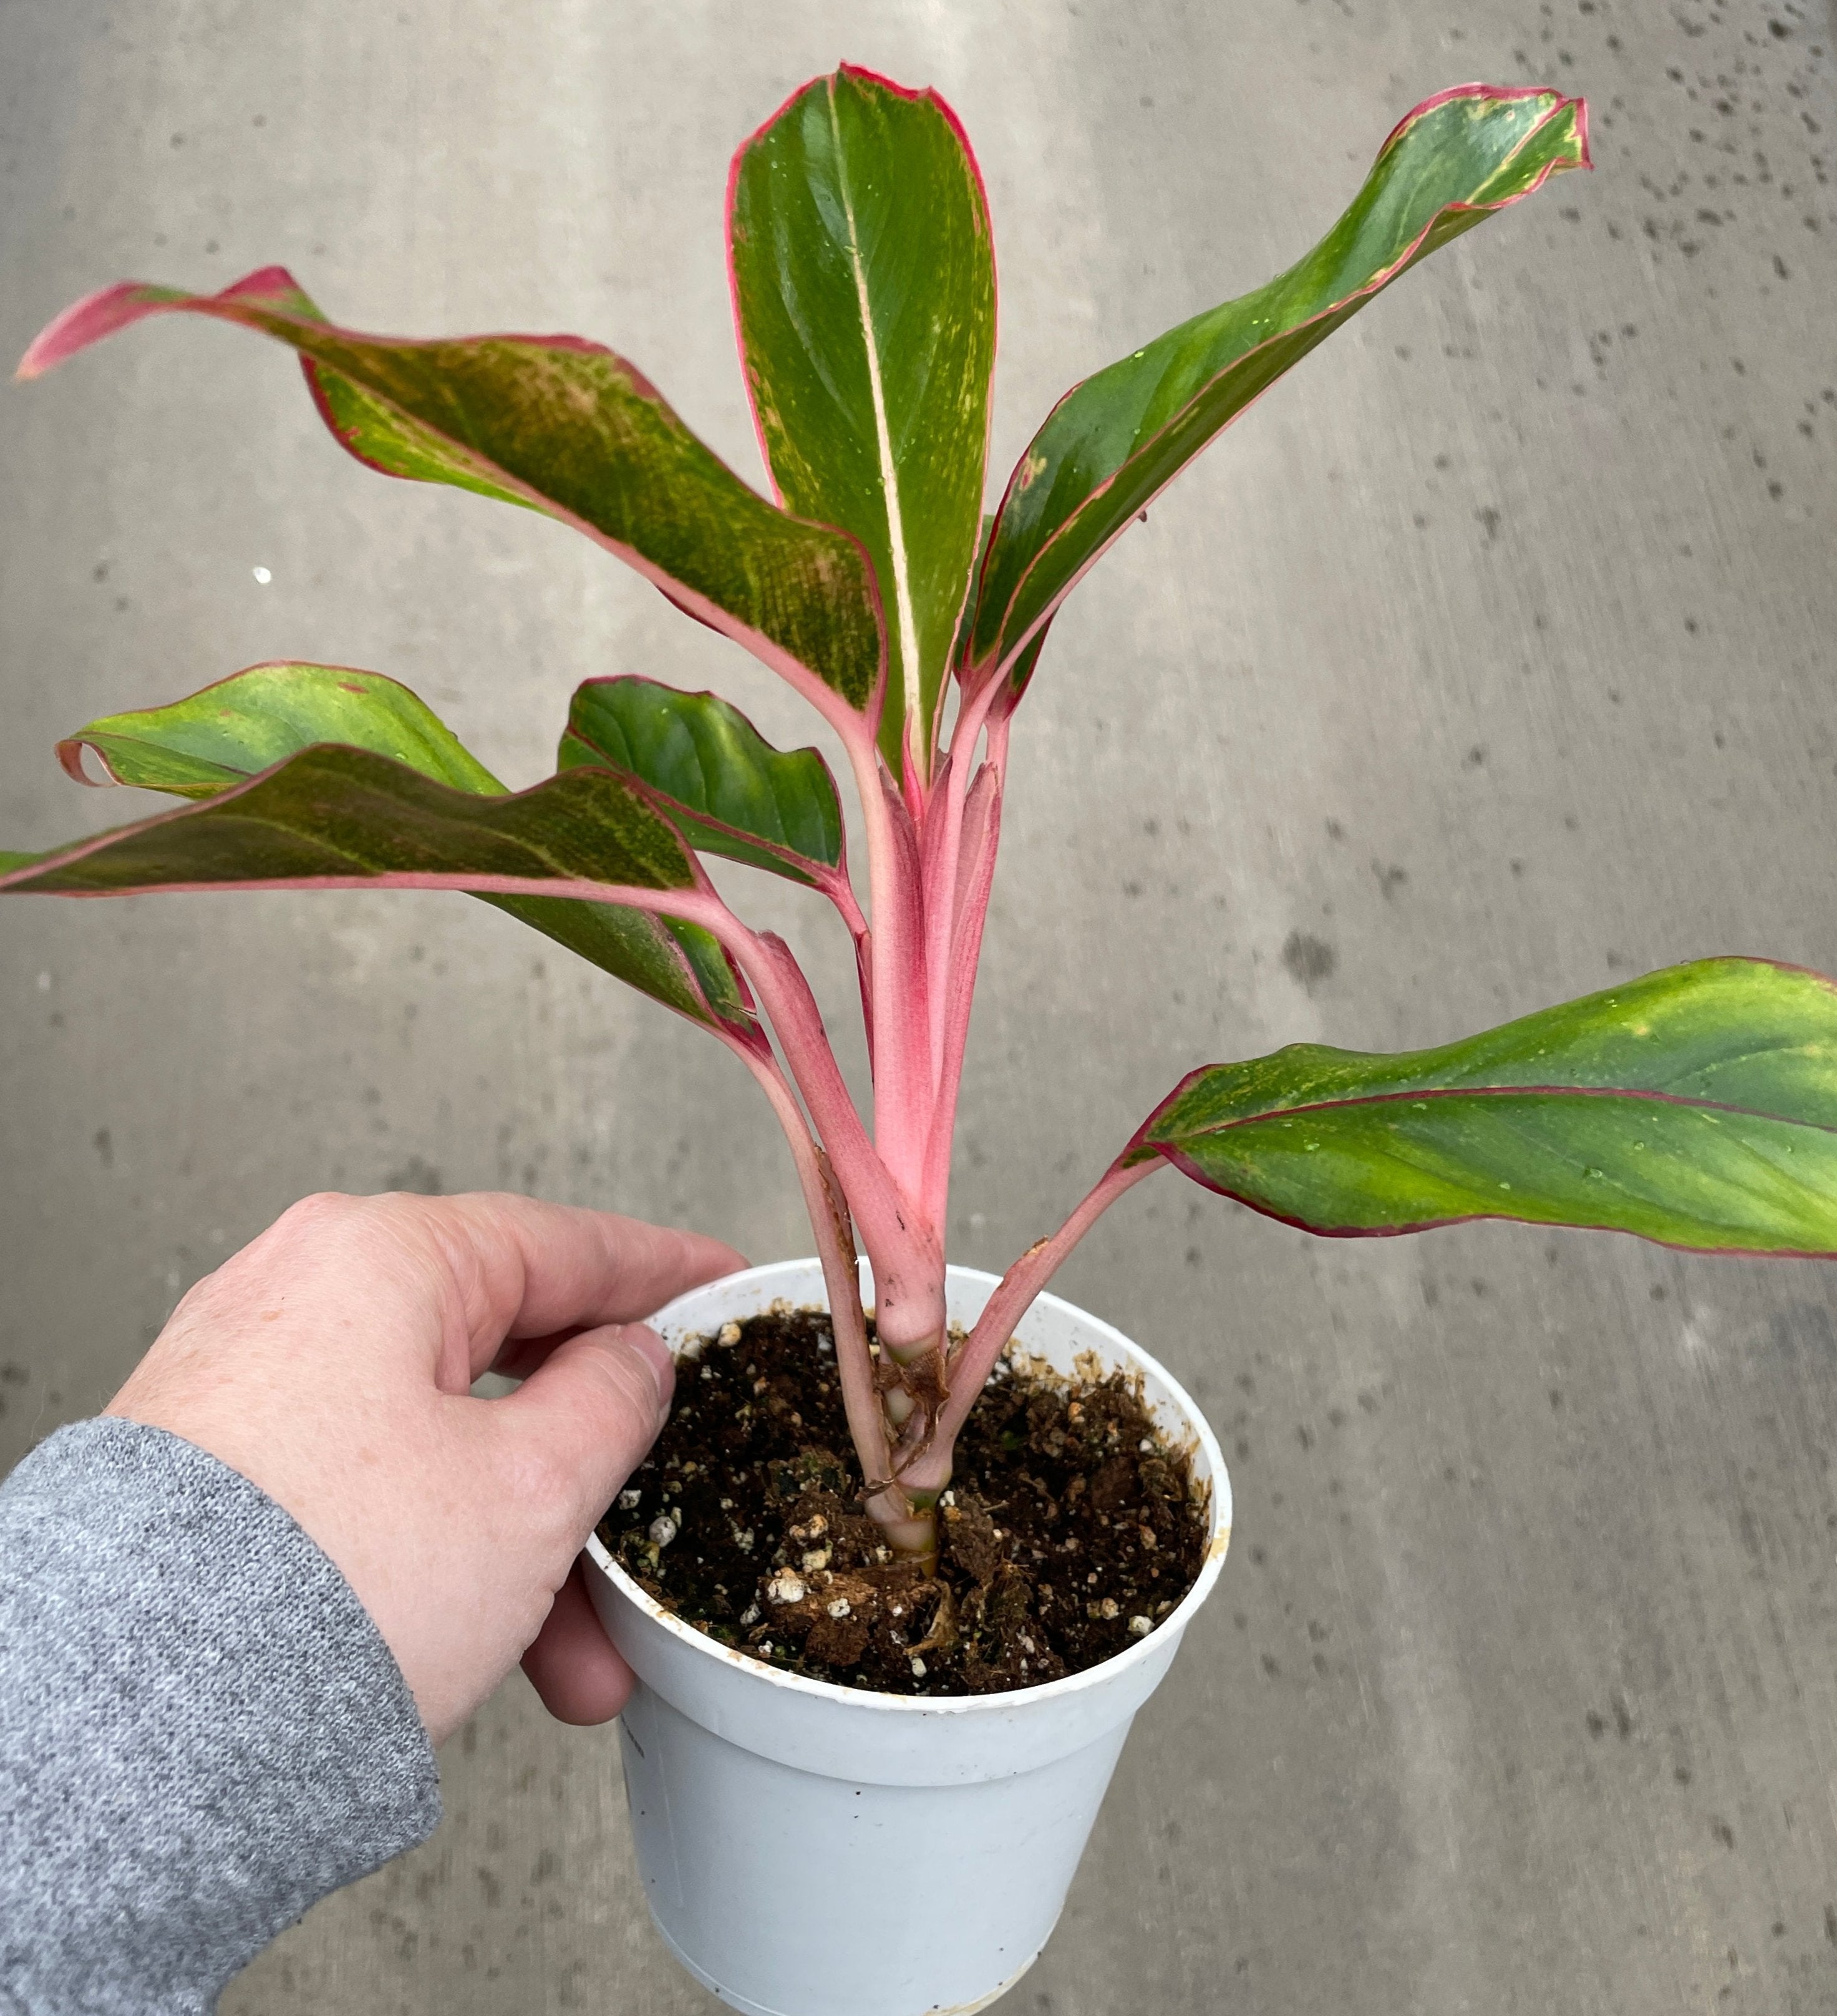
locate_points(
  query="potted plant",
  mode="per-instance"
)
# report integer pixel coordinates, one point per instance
(773, 1792)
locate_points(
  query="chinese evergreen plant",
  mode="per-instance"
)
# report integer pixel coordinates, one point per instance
(1695, 1106)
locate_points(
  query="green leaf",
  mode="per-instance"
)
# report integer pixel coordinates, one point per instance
(203, 746)
(864, 284)
(335, 814)
(1697, 1106)
(1115, 441)
(726, 789)
(243, 724)
(566, 427)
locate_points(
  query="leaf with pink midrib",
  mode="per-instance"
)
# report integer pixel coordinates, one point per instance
(286, 759)
(1696, 1106)
(567, 427)
(1114, 441)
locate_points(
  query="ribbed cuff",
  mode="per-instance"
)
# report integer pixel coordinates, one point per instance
(202, 1732)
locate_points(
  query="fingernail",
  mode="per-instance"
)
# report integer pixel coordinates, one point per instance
(655, 1353)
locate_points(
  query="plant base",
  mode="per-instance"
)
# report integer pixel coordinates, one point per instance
(1071, 1526)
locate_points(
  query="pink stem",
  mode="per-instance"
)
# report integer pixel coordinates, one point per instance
(902, 1049)
(939, 835)
(914, 788)
(976, 1358)
(908, 1260)
(998, 744)
(981, 824)
(835, 1246)
(943, 841)
(836, 886)
(888, 960)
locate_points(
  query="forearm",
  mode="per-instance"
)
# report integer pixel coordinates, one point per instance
(202, 1732)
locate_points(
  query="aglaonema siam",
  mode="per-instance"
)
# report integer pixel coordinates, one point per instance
(1695, 1106)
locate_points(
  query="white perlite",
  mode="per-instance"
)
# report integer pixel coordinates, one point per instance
(786, 1586)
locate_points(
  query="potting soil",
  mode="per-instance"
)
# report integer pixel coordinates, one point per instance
(1071, 1528)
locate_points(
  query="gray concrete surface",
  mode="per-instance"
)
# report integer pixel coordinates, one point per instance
(1489, 659)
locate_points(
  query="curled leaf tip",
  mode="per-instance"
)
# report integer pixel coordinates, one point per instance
(84, 323)
(1114, 442)
(103, 313)
(265, 283)
(69, 754)
(1483, 95)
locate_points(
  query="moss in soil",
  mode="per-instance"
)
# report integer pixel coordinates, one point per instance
(1073, 1527)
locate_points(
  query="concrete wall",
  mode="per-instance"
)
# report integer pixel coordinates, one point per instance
(1488, 659)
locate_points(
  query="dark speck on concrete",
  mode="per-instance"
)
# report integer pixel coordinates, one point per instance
(1806, 1328)
(1308, 959)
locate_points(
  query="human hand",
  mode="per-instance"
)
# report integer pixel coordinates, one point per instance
(329, 1361)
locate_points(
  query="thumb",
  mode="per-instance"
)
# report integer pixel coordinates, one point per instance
(594, 1406)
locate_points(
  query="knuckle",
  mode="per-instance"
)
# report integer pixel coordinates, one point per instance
(323, 1204)
(323, 1210)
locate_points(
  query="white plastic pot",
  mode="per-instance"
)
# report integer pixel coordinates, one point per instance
(814, 1850)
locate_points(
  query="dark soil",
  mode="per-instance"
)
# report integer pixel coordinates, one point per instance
(1073, 1527)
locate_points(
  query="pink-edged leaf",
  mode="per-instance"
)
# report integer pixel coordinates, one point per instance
(863, 280)
(566, 427)
(224, 734)
(721, 784)
(1697, 1106)
(1115, 441)
(334, 816)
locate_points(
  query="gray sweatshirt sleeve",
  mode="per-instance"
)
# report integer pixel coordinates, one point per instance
(201, 1731)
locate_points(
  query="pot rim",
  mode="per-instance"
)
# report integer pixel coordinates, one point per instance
(1174, 1622)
